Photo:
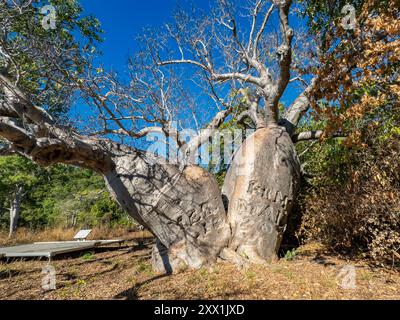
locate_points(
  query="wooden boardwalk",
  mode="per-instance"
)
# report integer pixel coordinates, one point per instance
(52, 249)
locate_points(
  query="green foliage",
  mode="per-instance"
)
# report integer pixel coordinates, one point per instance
(290, 255)
(219, 169)
(45, 61)
(87, 256)
(327, 159)
(60, 196)
(17, 171)
(322, 16)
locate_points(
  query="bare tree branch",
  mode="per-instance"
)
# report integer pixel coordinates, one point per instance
(189, 150)
(298, 108)
(21, 104)
(15, 134)
(252, 112)
(314, 135)
(183, 61)
(261, 31)
(284, 52)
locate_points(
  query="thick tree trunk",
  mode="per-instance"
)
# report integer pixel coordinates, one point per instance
(182, 208)
(261, 186)
(185, 211)
(15, 210)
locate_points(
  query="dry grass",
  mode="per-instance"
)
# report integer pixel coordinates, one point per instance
(24, 235)
(125, 273)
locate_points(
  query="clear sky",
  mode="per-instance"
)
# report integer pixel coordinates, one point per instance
(123, 20)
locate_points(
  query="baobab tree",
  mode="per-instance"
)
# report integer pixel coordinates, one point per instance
(246, 49)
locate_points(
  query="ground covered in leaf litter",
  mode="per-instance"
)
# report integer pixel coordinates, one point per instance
(125, 273)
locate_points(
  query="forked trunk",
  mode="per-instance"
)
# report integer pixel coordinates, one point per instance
(185, 211)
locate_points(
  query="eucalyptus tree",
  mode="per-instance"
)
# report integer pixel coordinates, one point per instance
(248, 51)
(17, 177)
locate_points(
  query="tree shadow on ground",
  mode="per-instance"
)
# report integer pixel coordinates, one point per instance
(74, 259)
(8, 273)
(132, 293)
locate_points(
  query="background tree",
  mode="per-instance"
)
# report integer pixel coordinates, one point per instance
(57, 197)
(17, 177)
(340, 207)
(362, 85)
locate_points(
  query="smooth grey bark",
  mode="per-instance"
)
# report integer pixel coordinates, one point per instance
(15, 209)
(181, 205)
(185, 211)
(261, 186)
(182, 208)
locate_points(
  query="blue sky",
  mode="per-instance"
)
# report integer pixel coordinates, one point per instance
(123, 20)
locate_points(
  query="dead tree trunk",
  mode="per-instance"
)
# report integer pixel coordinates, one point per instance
(15, 210)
